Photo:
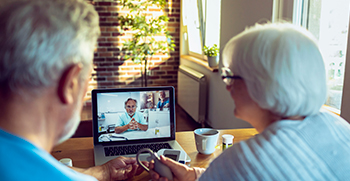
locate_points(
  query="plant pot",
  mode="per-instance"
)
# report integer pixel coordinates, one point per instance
(213, 61)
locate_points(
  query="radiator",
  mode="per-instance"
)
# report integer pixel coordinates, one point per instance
(192, 93)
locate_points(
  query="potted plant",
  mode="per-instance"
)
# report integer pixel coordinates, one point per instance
(212, 54)
(143, 43)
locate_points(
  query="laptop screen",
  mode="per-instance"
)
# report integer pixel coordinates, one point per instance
(133, 114)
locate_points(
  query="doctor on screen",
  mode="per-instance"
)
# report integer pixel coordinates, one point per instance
(131, 120)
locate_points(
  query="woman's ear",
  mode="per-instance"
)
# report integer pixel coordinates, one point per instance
(69, 84)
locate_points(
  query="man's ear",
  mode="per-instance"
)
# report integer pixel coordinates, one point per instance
(69, 83)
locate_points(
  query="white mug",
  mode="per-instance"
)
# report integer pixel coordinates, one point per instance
(67, 162)
(206, 140)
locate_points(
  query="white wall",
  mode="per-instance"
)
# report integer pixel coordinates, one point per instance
(220, 104)
(115, 102)
(236, 15)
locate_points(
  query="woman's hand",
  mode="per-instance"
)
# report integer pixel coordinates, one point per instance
(180, 171)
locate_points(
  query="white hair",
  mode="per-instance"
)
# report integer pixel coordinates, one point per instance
(282, 67)
(40, 39)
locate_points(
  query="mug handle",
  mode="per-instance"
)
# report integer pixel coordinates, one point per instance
(204, 144)
(138, 158)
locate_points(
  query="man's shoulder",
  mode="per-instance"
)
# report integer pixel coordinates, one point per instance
(38, 169)
(123, 115)
(21, 160)
(138, 113)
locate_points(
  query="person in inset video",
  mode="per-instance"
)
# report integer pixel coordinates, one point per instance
(131, 120)
(164, 101)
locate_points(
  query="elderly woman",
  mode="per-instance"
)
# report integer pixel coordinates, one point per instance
(276, 77)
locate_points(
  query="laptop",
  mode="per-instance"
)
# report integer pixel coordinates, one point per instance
(109, 111)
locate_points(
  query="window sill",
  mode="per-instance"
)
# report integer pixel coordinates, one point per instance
(331, 110)
(200, 62)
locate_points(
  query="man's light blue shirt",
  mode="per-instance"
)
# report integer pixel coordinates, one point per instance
(125, 119)
(21, 160)
(161, 105)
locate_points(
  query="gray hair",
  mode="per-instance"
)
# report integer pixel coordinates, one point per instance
(282, 67)
(41, 38)
(130, 99)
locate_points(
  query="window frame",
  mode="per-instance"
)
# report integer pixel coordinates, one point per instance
(202, 13)
(302, 5)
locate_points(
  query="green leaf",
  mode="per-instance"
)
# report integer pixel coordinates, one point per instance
(211, 51)
(143, 44)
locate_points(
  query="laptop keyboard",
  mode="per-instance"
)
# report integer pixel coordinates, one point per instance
(133, 149)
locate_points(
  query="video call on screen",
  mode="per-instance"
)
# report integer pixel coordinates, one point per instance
(152, 108)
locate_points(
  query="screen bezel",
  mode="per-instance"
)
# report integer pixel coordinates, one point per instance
(94, 93)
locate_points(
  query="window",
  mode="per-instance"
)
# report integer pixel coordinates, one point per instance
(191, 20)
(201, 21)
(329, 21)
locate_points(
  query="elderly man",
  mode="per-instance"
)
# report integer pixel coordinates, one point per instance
(46, 56)
(131, 120)
(164, 101)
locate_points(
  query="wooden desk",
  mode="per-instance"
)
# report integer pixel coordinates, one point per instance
(80, 150)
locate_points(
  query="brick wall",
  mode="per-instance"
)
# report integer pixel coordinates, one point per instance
(110, 70)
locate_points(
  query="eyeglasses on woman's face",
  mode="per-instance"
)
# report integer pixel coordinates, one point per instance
(228, 77)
